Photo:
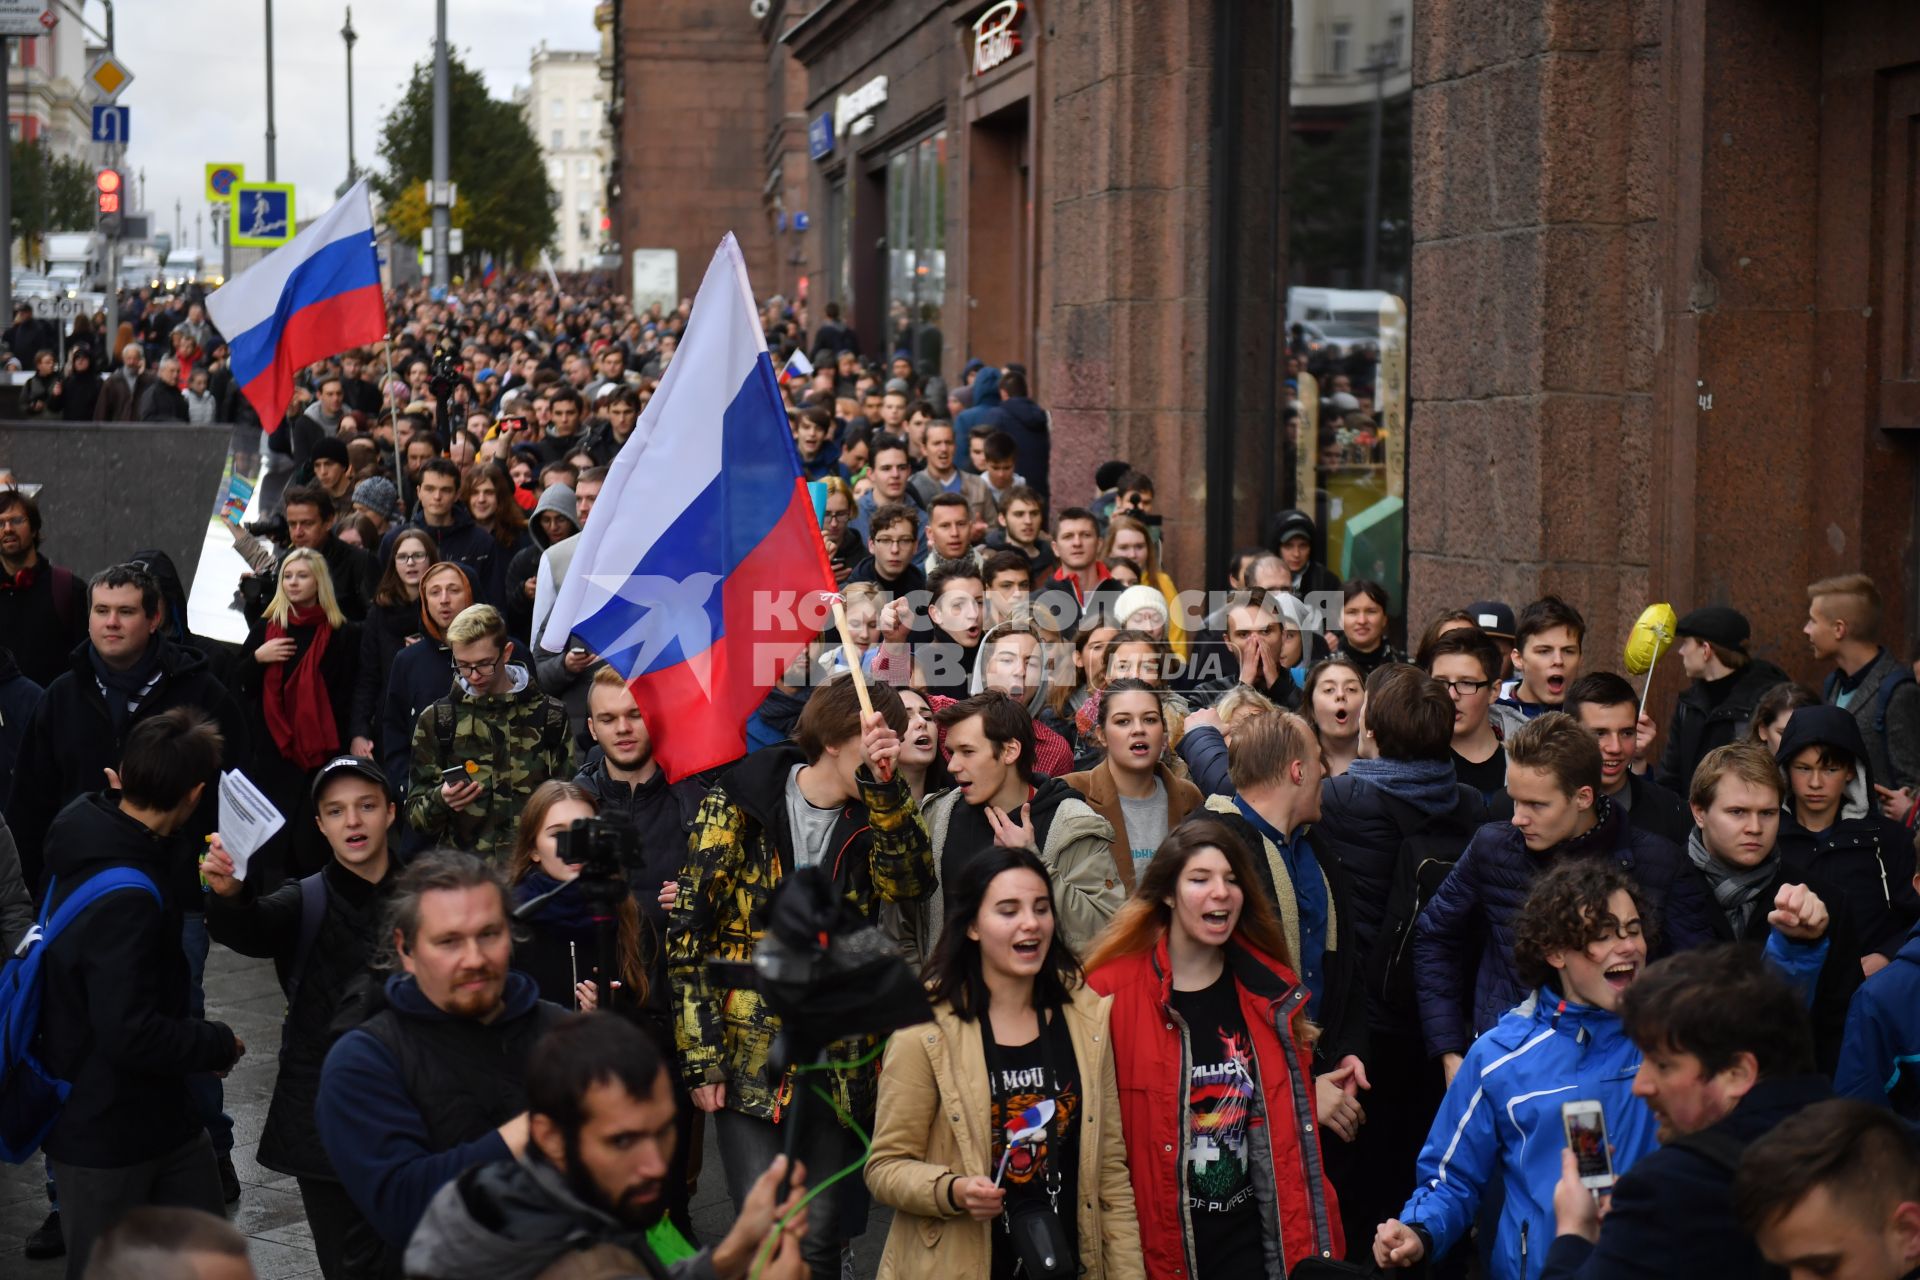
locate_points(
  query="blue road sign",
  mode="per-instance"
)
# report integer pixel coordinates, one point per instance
(110, 122)
(820, 136)
(801, 222)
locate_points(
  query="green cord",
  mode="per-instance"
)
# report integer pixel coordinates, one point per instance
(765, 1253)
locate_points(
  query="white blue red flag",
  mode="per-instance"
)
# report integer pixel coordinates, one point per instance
(700, 568)
(797, 366)
(1030, 1123)
(311, 298)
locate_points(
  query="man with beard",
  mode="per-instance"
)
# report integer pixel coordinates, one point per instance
(433, 1082)
(592, 1184)
(43, 608)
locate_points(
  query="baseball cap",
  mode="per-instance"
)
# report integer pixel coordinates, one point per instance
(339, 766)
(1493, 617)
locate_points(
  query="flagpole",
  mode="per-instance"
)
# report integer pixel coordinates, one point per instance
(399, 466)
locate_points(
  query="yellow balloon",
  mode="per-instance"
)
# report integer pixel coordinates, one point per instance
(1652, 635)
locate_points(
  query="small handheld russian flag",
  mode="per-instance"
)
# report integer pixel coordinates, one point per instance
(797, 366)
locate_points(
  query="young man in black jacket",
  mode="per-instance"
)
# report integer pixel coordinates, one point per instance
(1729, 1055)
(115, 1018)
(1609, 708)
(1724, 687)
(320, 933)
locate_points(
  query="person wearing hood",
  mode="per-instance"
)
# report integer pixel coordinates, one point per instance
(1292, 536)
(1027, 423)
(432, 1081)
(555, 518)
(117, 1019)
(422, 672)
(1463, 944)
(1736, 798)
(1724, 687)
(441, 514)
(983, 414)
(80, 389)
(498, 727)
(1880, 1048)
(1580, 941)
(1832, 827)
(320, 932)
(393, 623)
(999, 797)
(588, 1194)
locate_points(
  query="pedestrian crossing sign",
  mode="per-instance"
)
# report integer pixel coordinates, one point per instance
(262, 214)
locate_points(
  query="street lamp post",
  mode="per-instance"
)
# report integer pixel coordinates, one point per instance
(272, 174)
(442, 212)
(349, 35)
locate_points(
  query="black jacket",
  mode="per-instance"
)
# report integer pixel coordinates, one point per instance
(1026, 422)
(421, 675)
(1866, 857)
(1362, 834)
(338, 666)
(18, 697)
(115, 1019)
(1840, 974)
(1672, 1212)
(269, 928)
(42, 621)
(161, 402)
(1699, 724)
(462, 540)
(382, 637)
(355, 576)
(70, 741)
(1652, 807)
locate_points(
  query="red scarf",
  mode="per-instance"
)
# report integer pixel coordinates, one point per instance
(299, 712)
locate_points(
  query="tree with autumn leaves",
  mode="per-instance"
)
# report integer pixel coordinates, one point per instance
(504, 205)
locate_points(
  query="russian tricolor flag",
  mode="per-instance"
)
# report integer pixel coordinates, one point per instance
(797, 366)
(311, 298)
(698, 572)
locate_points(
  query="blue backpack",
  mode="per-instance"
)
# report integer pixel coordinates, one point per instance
(30, 1097)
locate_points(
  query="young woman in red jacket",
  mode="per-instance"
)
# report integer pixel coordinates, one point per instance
(1213, 1053)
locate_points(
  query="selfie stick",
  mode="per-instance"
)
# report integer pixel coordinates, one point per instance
(839, 602)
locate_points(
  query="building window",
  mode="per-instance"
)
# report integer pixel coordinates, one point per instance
(839, 231)
(583, 168)
(584, 108)
(586, 137)
(917, 248)
(1339, 48)
(556, 170)
(559, 109)
(1396, 39)
(559, 139)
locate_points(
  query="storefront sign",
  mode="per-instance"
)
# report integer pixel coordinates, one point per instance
(853, 112)
(820, 136)
(996, 35)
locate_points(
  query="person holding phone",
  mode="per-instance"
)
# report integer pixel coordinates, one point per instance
(1556, 1072)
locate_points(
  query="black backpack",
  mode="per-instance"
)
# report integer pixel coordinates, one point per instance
(1430, 845)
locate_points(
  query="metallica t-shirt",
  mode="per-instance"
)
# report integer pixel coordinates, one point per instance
(1036, 1109)
(1222, 1101)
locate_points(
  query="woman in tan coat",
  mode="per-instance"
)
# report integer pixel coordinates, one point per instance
(1133, 788)
(1005, 1105)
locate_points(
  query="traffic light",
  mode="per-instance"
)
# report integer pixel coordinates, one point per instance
(107, 188)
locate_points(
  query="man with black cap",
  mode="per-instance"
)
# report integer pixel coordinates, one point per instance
(320, 933)
(1726, 685)
(1292, 536)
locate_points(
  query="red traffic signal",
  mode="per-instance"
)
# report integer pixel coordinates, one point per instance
(108, 183)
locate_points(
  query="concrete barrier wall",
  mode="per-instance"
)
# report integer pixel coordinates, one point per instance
(113, 488)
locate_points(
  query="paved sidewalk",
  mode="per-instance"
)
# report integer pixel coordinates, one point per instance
(243, 993)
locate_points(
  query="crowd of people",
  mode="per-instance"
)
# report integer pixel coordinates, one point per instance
(1251, 941)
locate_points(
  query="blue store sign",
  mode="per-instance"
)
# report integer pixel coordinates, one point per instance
(820, 136)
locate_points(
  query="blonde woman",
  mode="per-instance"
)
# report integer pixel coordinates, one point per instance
(299, 686)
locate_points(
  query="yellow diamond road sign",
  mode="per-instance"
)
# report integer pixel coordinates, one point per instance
(109, 75)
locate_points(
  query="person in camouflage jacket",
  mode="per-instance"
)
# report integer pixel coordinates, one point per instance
(509, 736)
(870, 837)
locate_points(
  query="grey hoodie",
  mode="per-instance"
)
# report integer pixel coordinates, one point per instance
(513, 1219)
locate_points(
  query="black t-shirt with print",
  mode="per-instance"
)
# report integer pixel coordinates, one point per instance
(1222, 1101)
(1035, 1086)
